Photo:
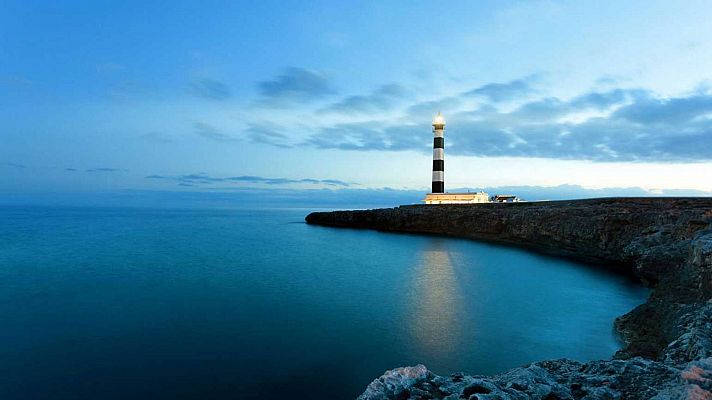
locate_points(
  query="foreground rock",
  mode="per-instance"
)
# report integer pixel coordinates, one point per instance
(666, 242)
(636, 378)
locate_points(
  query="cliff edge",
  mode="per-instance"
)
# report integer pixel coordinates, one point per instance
(666, 242)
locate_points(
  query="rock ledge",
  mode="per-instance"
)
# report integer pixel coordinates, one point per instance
(666, 242)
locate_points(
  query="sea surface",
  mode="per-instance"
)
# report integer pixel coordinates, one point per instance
(212, 304)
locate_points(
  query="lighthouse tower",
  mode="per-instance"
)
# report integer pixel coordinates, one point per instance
(438, 154)
(438, 195)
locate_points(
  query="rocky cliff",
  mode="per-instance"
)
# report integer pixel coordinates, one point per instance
(666, 242)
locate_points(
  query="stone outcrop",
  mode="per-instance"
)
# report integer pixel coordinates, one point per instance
(666, 242)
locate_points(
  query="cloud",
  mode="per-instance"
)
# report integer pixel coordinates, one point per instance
(383, 98)
(14, 165)
(603, 100)
(204, 179)
(332, 182)
(500, 92)
(551, 108)
(106, 169)
(295, 84)
(633, 131)
(211, 89)
(613, 125)
(491, 93)
(210, 132)
(371, 136)
(673, 112)
(264, 135)
(199, 178)
(254, 134)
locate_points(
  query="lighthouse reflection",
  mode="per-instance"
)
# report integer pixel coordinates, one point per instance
(437, 302)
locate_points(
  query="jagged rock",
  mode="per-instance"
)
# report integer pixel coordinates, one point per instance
(696, 340)
(395, 383)
(666, 242)
(634, 379)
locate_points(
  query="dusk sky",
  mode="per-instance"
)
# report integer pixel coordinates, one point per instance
(96, 96)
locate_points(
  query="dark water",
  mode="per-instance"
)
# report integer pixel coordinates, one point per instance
(121, 303)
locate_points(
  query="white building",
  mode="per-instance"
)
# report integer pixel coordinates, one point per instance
(505, 198)
(457, 198)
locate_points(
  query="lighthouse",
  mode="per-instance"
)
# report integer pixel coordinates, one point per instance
(438, 195)
(438, 154)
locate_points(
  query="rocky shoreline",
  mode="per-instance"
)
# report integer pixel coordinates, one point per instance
(666, 242)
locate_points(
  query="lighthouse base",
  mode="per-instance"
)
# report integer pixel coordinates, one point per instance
(457, 198)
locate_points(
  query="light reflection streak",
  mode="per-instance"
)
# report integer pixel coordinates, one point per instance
(437, 303)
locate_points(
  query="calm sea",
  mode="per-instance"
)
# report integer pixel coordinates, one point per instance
(160, 304)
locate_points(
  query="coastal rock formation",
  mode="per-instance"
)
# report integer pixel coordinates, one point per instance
(666, 242)
(636, 378)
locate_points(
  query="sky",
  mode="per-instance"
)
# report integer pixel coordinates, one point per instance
(211, 96)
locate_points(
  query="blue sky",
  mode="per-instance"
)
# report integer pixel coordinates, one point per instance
(209, 96)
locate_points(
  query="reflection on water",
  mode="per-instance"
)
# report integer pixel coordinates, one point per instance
(438, 301)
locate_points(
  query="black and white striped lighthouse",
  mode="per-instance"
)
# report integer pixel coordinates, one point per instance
(439, 154)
